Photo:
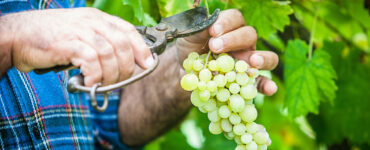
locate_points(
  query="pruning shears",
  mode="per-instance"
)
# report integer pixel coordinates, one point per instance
(156, 37)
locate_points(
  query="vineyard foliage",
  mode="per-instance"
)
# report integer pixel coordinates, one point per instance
(323, 75)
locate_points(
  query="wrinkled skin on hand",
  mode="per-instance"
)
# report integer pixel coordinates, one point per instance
(103, 46)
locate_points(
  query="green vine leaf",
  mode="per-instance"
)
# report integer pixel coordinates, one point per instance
(137, 6)
(267, 16)
(308, 81)
(171, 7)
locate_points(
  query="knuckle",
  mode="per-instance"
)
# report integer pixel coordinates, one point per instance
(106, 52)
(90, 56)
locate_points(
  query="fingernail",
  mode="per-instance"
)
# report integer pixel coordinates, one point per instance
(270, 87)
(217, 44)
(217, 28)
(257, 60)
(149, 61)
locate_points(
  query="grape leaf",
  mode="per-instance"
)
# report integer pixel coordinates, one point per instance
(171, 7)
(351, 108)
(267, 16)
(308, 80)
(115, 7)
(136, 5)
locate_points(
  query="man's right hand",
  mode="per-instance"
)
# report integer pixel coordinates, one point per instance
(103, 46)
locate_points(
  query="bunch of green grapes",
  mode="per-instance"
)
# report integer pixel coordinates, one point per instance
(224, 88)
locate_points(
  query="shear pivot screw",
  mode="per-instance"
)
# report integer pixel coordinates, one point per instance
(162, 27)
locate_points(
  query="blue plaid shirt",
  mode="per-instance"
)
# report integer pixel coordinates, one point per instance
(37, 112)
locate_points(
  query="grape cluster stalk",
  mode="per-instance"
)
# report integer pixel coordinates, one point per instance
(224, 88)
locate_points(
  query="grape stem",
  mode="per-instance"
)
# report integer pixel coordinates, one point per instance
(310, 48)
(206, 3)
(227, 4)
(205, 64)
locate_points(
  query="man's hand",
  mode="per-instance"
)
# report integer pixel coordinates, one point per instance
(103, 46)
(230, 34)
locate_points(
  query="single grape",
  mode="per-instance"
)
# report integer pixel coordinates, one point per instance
(234, 119)
(262, 147)
(215, 128)
(189, 82)
(223, 95)
(220, 80)
(226, 63)
(224, 111)
(251, 146)
(211, 105)
(226, 125)
(248, 91)
(261, 127)
(202, 85)
(261, 137)
(198, 65)
(204, 95)
(249, 113)
(234, 88)
(193, 56)
(239, 129)
(242, 78)
(213, 116)
(205, 75)
(236, 103)
(246, 138)
(253, 72)
(188, 64)
(195, 99)
(211, 86)
(237, 140)
(229, 135)
(213, 66)
(241, 66)
(230, 76)
(240, 147)
(251, 127)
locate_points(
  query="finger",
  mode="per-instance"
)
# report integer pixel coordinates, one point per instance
(264, 60)
(124, 55)
(107, 59)
(227, 21)
(85, 57)
(242, 38)
(266, 86)
(142, 53)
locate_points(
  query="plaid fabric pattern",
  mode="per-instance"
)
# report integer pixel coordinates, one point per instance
(37, 111)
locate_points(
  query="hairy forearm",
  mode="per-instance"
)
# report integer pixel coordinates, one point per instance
(5, 45)
(154, 104)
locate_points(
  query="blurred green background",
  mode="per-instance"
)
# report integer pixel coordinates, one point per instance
(323, 76)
